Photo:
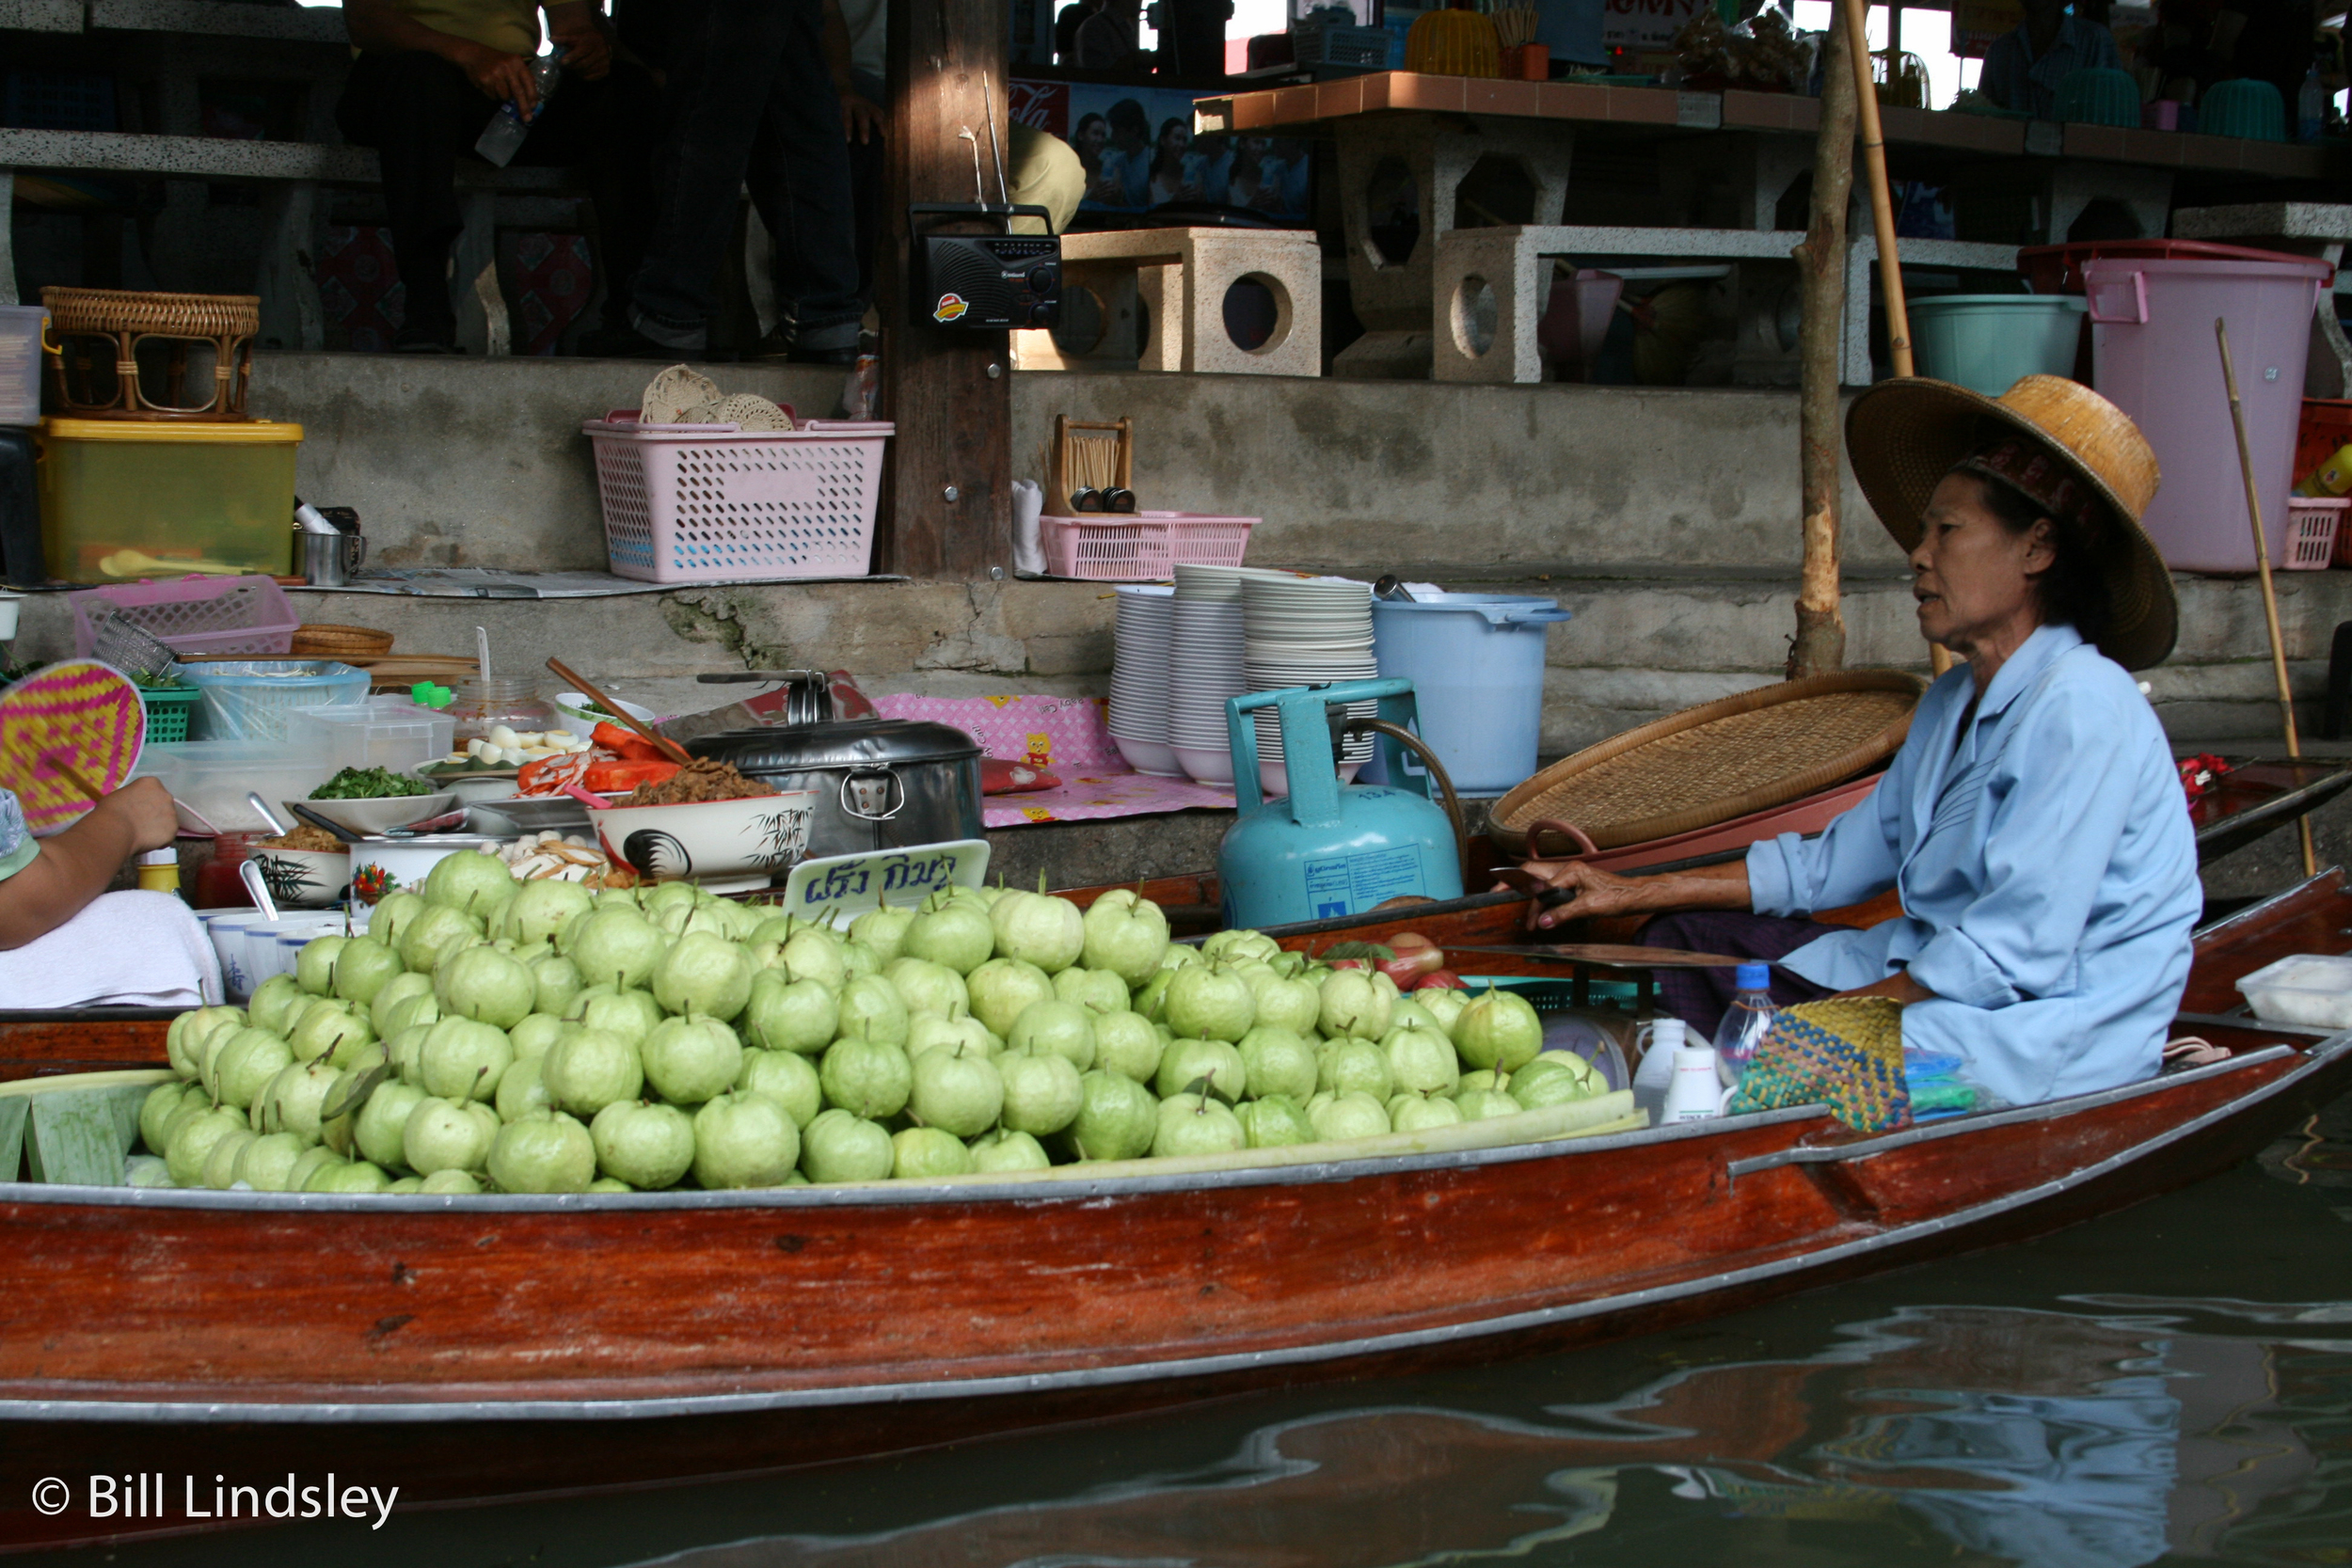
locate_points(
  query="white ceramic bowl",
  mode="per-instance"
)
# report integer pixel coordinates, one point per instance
(406, 861)
(382, 813)
(1206, 764)
(571, 710)
(303, 879)
(1150, 757)
(724, 844)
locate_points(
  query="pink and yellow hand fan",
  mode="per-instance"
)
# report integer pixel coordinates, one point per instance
(82, 714)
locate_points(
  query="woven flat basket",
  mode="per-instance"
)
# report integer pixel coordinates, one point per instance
(112, 310)
(1712, 763)
(324, 639)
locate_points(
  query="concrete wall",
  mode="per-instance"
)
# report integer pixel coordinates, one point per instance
(1665, 520)
(453, 461)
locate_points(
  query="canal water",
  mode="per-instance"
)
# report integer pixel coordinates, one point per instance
(2170, 1384)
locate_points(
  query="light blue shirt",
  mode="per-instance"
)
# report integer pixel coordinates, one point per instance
(2047, 871)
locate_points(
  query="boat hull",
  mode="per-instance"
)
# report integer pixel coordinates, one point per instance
(467, 1350)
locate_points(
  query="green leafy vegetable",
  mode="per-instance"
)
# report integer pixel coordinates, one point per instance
(369, 783)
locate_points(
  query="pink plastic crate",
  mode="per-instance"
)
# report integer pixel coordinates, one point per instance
(1140, 546)
(712, 504)
(2313, 526)
(195, 616)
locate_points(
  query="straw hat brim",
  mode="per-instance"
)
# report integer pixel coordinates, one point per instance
(1903, 436)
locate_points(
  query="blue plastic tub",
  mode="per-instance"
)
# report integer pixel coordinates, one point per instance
(1988, 343)
(1476, 661)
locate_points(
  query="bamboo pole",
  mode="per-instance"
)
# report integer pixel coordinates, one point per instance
(2262, 566)
(1874, 159)
(1820, 645)
(1857, 19)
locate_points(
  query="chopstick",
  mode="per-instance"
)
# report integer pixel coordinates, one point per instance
(662, 743)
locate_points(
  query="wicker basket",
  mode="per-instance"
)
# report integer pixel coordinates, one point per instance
(87, 324)
(1715, 762)
(327, 641)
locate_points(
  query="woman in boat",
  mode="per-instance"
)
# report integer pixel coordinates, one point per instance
(2032, 823)
(66, 942)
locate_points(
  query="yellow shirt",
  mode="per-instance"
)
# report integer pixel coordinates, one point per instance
(511, 26)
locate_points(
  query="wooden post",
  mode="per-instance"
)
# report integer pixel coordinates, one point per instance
(1821, 640)
(946, 505)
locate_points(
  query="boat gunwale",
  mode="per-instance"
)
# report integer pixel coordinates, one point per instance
(97, 1408)
(1062, 1188)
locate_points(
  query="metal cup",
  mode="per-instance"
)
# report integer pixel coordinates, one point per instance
(323, 559)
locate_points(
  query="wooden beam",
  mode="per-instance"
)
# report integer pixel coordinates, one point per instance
(1821, 640)
(946, 507)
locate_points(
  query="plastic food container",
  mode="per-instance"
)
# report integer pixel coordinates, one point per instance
(391, 732)
(252, 699)
(2310, 988)
(513, 700)
(172, 492)
(214, 776)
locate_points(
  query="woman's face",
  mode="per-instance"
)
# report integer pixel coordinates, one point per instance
(1971, 573)
(1174, 139)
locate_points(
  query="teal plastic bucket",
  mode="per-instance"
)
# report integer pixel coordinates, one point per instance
(1986, 343)
(1476, 661)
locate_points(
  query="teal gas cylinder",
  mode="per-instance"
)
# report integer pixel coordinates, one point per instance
(1328, 849)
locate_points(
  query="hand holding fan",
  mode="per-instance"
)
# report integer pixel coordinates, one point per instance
(63, 728)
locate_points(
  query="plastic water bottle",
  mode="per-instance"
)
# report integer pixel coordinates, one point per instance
(505, 136)
(2311, 107)
(1651, 1079)
(1746, 1022)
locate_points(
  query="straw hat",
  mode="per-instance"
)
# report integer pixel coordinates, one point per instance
(1904, 435)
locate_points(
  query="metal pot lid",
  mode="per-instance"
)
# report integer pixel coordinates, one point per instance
(846, 743)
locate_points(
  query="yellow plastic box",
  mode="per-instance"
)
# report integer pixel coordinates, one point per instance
(122, 500)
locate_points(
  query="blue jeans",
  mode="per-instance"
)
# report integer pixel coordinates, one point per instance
(750, 100)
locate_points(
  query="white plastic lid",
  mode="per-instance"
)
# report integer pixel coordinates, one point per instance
(160, 857)
(1668, 1034)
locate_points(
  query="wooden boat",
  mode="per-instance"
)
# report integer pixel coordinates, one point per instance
(496, 1347)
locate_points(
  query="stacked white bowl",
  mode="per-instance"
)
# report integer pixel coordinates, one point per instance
(1204, 669)
(1144, 639)
(1306, 631)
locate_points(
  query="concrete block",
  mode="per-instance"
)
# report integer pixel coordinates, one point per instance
(1180, 276)
(1421, 161)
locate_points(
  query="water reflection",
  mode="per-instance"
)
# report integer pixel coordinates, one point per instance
(2102, 1438)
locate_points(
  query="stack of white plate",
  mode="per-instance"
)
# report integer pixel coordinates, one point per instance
(1306, 631)
(1144, 642)
(1204, 669)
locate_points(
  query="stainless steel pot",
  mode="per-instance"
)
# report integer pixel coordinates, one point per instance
(882, 783)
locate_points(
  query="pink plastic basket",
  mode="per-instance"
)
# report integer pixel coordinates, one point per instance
(1141, 547)
(194, 615)
(712, 504)
(2314, 525)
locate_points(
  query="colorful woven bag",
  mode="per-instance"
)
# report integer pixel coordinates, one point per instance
(1846, 1053)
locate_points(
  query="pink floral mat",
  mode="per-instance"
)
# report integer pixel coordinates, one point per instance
(1069, 737)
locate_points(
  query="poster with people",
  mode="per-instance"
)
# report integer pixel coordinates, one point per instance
(1139, 152)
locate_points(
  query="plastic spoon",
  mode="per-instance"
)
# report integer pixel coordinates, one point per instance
(253, 799)
(258, 885)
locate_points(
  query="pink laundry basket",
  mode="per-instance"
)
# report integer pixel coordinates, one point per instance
(713, 503)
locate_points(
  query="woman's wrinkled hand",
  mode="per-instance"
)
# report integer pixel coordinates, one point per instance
(1596, 891)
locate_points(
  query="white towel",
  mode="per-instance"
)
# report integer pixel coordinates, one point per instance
(125, 950)
(1028, 549)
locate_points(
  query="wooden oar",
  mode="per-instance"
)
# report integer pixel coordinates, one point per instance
(2262, 565)
(662, 743)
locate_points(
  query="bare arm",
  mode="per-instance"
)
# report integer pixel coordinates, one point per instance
(74, 866)
(381, 24)
(861, 118)
(1600, 893)
(578, 28)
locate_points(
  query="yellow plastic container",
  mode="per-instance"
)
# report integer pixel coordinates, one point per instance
(122, 500)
